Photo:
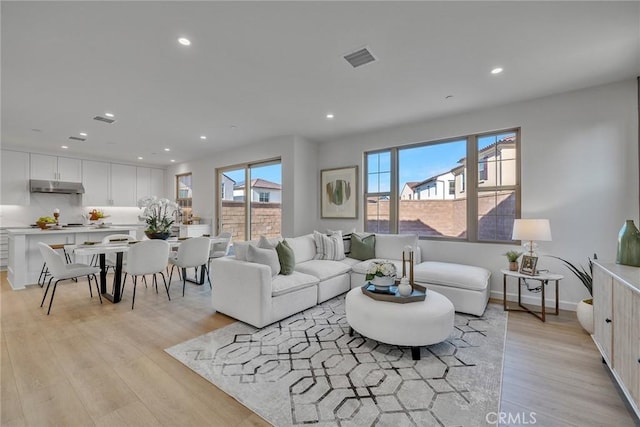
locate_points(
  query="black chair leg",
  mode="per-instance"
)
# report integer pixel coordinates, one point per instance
(97, 287)
(53, 293)
(43, 274)
(184, 281)
(165, 285)
(206, 269)
(90, 291)
(171, 273)
(144, 279)
(135, 283)
(45, 291)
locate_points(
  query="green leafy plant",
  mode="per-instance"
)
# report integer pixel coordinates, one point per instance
(585, 276)
(513, 256)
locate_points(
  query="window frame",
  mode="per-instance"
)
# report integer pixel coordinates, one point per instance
(470, 184)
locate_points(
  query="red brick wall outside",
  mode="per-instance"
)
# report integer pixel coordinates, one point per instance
(448, 217)
(266, 219)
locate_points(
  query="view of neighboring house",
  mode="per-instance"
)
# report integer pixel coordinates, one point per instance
(226, 187)
(261, 191)
(496, 167)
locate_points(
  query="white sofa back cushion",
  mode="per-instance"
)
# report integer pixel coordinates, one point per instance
(304, 247)
(390, 246)
(240, 247)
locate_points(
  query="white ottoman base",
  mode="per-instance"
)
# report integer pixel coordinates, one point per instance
(413, 324)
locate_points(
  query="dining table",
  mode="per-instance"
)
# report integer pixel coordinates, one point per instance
(89, 249)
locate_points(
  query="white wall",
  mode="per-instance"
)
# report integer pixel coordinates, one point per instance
(579, 169)
(298, 179)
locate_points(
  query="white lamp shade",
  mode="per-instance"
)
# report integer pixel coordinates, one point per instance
(531, 229)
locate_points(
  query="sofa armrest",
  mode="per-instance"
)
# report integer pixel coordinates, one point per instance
(241, 289)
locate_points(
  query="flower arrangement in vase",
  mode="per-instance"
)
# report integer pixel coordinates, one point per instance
(381, 273)
(159, 214)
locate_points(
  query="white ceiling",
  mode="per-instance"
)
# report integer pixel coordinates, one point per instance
(276, 68)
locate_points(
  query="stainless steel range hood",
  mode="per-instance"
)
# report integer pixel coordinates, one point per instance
(59, 187)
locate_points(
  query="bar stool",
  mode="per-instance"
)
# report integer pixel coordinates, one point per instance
(44, 272)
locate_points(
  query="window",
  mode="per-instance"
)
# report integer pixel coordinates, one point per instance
(184, 193)
(483, 210)
(264, 197)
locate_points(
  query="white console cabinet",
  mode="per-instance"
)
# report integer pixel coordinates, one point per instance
(616, 314)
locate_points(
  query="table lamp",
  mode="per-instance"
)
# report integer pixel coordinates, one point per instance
(531, 229)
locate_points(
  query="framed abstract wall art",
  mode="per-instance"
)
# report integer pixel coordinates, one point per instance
(339, 192)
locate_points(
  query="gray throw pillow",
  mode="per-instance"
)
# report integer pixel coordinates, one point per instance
(363, 247)
(264, 256)
(286, 257)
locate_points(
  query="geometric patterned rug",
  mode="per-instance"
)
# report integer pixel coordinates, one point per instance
(307, 370)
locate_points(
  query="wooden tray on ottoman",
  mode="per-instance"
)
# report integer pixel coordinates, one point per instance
(419, 293)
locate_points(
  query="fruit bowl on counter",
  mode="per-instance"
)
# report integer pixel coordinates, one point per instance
(44, 222)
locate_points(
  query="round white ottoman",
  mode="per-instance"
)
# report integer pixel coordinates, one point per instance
(412, 324)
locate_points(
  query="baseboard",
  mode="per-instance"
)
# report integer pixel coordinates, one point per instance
(534, 300)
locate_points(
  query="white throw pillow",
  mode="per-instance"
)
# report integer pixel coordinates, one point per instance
(240, 249)
(264, 243)
(329, 247)
(264, 256)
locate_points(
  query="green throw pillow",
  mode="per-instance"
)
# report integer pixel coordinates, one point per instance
(286, 257)
(363, 247)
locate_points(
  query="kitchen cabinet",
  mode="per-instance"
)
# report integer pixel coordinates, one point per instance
(616, 310)
(195, 230)
(149, 182)
(123, 185)
(15, 178)
(108, 184)
(55, 168)
(95, 179)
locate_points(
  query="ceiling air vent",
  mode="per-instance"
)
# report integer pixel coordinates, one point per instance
(77, 138)
(104, 119)
(359, 57)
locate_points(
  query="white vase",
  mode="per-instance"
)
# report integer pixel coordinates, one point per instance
(383, 280)
(585, 315)
(404, 288)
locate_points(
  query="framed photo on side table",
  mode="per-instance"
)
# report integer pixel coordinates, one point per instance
(528, 265)
(339, 192)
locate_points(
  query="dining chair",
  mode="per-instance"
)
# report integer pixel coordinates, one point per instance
(59, 270)
(44, 272)
(220, 248)
(146, 257)
(192, 253)
(114, 238)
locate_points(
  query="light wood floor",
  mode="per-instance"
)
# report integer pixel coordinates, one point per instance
(90, 364)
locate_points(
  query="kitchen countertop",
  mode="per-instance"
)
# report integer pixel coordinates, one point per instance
(71, 230)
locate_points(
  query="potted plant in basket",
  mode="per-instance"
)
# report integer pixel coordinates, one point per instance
(159, 216)
(513, 256)
(584, 310)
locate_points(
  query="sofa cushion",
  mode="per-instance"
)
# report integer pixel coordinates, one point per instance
(286, 257)
(451, 274)
(304, 247)
(350, 261)
(329, 247)
(264, 256)
(363, 266)
(362, 247)
(390, 246)
(240, 248)
(323, 269)
(281, 285)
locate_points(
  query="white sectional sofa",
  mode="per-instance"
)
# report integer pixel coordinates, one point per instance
(248, 292)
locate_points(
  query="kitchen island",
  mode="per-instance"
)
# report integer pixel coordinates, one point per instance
(25, 261)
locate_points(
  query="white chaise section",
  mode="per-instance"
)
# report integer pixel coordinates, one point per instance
(466, 286)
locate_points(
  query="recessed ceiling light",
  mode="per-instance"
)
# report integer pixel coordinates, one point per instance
(184, 41)
(203, 137)
(233, 127)
(139, 157)
(496, 70)
(109, 114)
(173, 161)
(330, 116)
(83, 134)
(64, 146)
(167, 149)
